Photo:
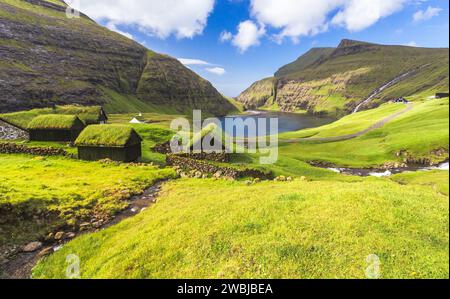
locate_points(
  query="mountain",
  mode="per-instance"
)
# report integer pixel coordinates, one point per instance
(48, 58)
(334, 81)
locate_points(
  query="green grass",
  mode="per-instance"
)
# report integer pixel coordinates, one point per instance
(349, 124)
(53, 121)
(319, 229)
(120, 103)
(419, 131)
(107, 135)
(437, 179)
(67, 188)
(152, 135)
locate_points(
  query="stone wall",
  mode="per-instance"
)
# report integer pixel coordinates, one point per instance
(222, 157)
(10, 132)
(13, 148)
(204, 167)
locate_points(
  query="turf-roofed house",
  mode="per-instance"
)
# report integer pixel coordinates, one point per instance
(90, 115)
(53, 127)
(115, 142)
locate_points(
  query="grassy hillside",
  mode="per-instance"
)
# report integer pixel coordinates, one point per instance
(422, 133)
(334, 81)
(313, 56)
(48, 58)
(60, 191)
(302, 229)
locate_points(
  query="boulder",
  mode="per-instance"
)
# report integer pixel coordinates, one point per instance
(59, 236)
(32, 247)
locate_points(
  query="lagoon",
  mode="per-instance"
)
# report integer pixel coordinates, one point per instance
(287, 122)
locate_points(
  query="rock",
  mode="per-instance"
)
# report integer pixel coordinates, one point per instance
(85, 226)
(248, 183)
(45, 252)
(70, 235)
(218, 175)
(280, 178)
(59, 236)
(31, 247)
(289, 179)
(198, 174)
(257, 180)
(205, 176)
(303, 178)
(97, 224)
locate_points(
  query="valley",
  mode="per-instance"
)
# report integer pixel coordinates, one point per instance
(312, 200)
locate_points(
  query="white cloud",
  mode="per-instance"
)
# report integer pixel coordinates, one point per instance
(297, 18)
(360, 14)
(412, 44)
(424, 15)
(188, 61)
(113, 27)
(225, 36)
(183, 18)
(209, 67)
(216, 71)
(248, 35)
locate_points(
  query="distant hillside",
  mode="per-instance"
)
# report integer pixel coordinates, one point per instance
(47, 58)
(335, 80)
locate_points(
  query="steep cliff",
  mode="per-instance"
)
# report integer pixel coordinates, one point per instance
(46, 58)
(334, 81)
(260, 93)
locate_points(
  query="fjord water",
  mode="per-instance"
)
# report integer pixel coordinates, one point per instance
(287, 122)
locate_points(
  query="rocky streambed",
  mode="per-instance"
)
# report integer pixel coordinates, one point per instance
(16, 262)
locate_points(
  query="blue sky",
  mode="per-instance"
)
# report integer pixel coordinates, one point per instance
(263, 35)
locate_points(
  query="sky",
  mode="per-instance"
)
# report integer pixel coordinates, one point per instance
(233, 43)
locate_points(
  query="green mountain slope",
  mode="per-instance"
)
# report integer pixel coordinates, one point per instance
(48, 58)
(335, 81)
(313, 56)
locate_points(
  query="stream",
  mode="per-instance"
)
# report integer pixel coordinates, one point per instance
(386, 173)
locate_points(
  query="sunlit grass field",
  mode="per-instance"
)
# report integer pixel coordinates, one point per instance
(66, 188)
(318, 229)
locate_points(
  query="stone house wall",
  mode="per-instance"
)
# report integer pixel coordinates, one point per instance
(10, 132)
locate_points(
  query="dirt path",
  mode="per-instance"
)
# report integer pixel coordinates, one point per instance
(375, 126)
(20, 264)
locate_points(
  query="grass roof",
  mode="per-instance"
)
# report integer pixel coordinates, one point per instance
(107, 135)
(211, 129)
(21, 119)
(53, 121)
